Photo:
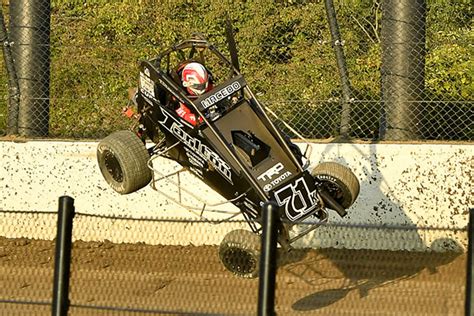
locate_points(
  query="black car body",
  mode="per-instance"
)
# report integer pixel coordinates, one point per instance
(235, 148)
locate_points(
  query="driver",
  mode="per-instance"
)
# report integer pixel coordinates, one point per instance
(197, 81)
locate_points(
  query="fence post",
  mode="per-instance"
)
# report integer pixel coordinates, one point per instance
(337, 44)
(13, 87)
(30, 38)
(470, 262)
(403, 38)
(62, 260)
(266, 289)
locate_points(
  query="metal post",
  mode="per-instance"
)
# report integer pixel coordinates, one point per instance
(30, 39)
(469, 280)
(337, 43)
(266, 290)
(13, 87)
(229, 31)
(403, 68)
(62, 261)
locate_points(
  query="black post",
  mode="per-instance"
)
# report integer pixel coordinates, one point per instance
(30, 39)
(337, 44)
(403, 68)
(13, 88)
(62, 261)
(470, 262)
(229, 31)
(266, 290)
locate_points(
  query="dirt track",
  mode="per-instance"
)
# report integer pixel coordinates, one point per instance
(191, 281)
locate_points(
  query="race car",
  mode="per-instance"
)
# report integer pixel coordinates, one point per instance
(233, 147)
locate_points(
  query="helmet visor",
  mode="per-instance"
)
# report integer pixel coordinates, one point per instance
(196, 86)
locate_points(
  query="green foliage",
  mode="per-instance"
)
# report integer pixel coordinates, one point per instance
(284, 50)
(449, 15)
(450, 71)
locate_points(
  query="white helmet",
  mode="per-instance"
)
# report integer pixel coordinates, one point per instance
(195, 78)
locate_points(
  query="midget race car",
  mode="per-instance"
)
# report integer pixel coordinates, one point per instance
(236, 149)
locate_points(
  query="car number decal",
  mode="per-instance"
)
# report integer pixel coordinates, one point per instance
(297, 199)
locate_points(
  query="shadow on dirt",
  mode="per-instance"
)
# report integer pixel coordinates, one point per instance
(337, 272)
(290, 257)
(361, 271)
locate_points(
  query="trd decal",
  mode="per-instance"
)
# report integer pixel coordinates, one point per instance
(270, 173)
(267, 175)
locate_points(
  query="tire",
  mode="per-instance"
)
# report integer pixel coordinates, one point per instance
(122, 159)
(239, 252)
(339, 181)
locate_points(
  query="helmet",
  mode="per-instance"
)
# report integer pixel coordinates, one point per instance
(195, 78)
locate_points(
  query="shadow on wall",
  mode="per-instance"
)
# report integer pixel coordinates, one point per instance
(363, 270)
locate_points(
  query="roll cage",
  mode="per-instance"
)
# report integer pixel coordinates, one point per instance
(213, 104)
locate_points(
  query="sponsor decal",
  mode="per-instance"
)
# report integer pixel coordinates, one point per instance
(277, 181)
(221, 94)
(195, 144)
(147, 86)
(272, 172)
(297, 199)
(268, 175)
(267, 187)
(194, 159)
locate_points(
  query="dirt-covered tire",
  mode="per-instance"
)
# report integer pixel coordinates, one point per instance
(122, 159)
(339, 181)
(239, 252)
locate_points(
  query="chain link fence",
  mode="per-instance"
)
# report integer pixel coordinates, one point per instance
(397, 69)
(369, 70)
(127, 278)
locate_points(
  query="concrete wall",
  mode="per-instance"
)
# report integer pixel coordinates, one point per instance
(422, 185)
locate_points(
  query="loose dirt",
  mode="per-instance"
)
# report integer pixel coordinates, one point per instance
(125, 279)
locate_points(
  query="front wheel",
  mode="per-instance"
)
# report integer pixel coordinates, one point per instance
(339, 181)
(123, 161)
(239, 252)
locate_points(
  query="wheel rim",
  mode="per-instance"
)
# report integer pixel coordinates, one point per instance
(239, 261)
(113, 166)
(334, 190)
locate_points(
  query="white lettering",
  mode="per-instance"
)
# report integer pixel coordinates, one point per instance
(277, 181)
(221, 94)
(147, 87)
(281, 178)
(199, 148)
(268, 175)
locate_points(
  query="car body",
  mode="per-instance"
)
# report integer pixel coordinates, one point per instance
(235, 148)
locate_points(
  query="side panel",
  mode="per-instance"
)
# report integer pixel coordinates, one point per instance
(272, 171)
(199, 156)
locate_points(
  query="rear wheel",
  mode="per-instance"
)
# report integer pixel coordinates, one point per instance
(239, 252)
(339, 181)
(122, 159)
